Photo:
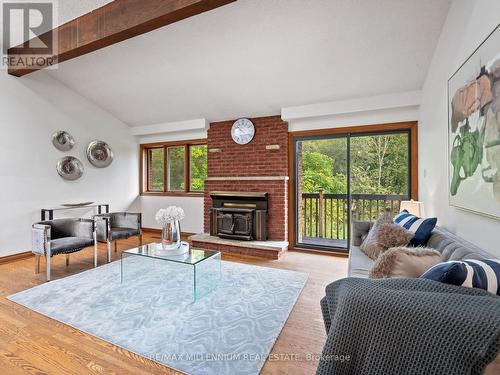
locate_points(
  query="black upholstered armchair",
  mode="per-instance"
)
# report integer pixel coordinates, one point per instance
(118, 226)
(62, 236)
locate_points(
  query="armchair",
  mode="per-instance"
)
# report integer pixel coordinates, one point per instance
(62, 236)
(118, 226)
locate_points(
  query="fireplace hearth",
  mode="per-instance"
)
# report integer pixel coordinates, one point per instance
(239, 215)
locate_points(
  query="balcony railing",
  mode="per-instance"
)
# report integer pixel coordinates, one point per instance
(324, 216)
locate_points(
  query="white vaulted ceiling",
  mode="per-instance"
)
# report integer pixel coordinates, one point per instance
(71, 9)
(253, 57)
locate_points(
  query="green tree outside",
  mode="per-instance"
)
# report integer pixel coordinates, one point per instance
(199, 156)
(379, 165)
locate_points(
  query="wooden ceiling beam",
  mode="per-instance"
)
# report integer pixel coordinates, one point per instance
(112, 23)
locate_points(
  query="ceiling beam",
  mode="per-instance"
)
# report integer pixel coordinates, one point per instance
(112, 23)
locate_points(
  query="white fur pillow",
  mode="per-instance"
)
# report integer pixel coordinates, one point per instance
(404, 262)
(384, 235)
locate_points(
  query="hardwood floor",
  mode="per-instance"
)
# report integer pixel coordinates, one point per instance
(33, 344)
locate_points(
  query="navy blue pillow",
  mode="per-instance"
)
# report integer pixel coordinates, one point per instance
(421, 228)
(470, 273)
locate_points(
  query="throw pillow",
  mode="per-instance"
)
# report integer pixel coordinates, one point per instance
(383, 235)
(421, 228)
(469, 273)
(404, 262)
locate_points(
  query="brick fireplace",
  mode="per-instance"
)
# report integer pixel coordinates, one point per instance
(258, 167)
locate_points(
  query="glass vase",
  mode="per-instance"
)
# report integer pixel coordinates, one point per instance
(171, 236)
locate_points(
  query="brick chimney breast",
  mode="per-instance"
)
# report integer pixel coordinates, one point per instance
(251, 168)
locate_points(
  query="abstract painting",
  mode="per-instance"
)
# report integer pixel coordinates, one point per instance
(474, 130)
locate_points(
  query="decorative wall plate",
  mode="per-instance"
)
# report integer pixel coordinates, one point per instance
(83, 204)
(70, 168)
(62, 140)
(99, 154)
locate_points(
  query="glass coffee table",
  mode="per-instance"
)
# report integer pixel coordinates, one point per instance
(202, 268)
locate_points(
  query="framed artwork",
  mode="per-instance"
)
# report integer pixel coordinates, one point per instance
(474, 130)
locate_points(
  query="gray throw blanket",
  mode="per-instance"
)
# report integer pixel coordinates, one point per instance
(408, 326)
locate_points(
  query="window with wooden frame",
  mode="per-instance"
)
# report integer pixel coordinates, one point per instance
(174, 168)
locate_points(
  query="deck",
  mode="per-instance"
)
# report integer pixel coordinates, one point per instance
(324, 218)
(326, 242)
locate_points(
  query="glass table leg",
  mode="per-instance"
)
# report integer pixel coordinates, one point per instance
(195, 284)
(206, 276)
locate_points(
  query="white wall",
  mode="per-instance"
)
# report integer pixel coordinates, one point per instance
(468, 23)
(384, 116)
(31, 109)
(193, 208)
(380, 109)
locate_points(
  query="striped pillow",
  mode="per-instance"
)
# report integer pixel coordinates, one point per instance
(470, 273)
(421, 228)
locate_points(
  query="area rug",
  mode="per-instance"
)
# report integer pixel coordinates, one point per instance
(230, 330)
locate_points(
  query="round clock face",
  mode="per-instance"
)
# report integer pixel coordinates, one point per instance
(243, 131)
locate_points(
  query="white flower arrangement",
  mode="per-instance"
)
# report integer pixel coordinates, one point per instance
(169, 215)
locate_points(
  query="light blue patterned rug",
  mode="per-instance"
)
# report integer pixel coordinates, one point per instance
(230, 330)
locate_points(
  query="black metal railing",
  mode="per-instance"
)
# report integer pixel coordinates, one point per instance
(326, 216)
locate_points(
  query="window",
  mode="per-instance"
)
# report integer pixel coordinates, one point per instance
(174, 168)
(198, 168)
(156, 163)
(352, 174)
(176, 173)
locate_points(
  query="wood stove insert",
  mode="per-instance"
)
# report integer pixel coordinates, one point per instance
(239, 215)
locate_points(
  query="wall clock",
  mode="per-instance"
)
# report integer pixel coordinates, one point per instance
(243, 131)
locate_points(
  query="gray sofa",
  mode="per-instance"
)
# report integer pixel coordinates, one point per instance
(449, 245)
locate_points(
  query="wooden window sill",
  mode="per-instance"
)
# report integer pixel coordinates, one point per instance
(172, 194)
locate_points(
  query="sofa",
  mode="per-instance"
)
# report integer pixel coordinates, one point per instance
(449, 245)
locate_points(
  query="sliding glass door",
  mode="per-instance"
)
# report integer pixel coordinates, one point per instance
(322, 179)
(344, 177)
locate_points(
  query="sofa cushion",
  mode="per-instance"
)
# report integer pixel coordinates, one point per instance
(69, 244)
(360, 230)
(404, 262)
(359, 263)
(469, 273)
(123, 233)
(453, 247)
(421, 228)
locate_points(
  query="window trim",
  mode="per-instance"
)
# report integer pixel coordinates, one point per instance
(144, 164)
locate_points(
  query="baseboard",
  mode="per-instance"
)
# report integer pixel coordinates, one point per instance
(151, 230)
(14, 257)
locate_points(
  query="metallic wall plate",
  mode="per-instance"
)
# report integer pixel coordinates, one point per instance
(82, 204)
(62, 140)
(99, 154)
(70, 168)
